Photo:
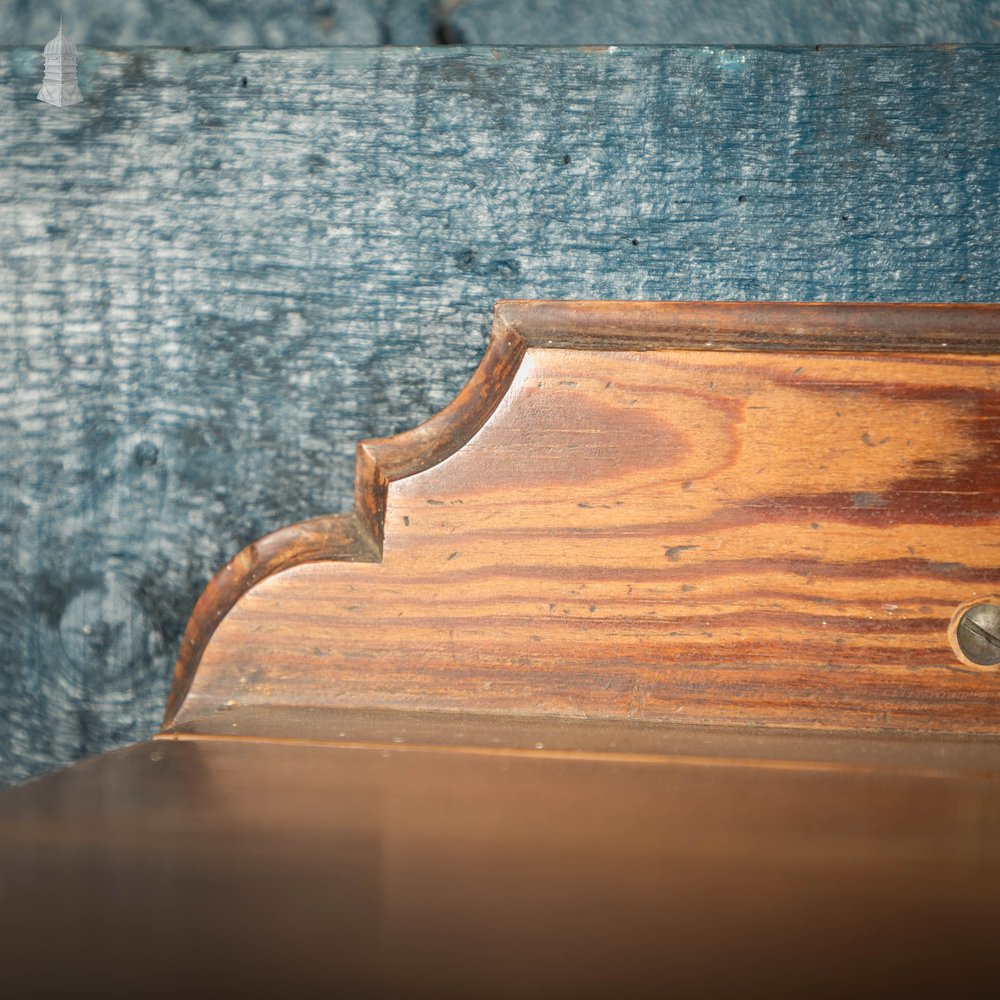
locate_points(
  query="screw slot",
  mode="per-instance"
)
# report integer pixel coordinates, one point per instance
(977, 633)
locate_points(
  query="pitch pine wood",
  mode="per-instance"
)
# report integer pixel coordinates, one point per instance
(645, 521)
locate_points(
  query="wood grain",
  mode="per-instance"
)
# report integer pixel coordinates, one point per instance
(777, 536)
(210, 292)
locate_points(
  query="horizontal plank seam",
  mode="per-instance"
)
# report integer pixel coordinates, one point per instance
(593, 756)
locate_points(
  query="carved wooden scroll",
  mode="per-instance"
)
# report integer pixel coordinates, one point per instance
(718, 513)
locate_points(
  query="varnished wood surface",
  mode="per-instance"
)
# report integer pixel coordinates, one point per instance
(841, 327)
(643, 520)
(232, 868)
(561, 737)
(211, 291)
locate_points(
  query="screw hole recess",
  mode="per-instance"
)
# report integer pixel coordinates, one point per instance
(974, 632)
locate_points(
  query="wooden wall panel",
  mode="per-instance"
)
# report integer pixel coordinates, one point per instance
(215, 24)
(776, 537)
(277, 24)
(209, 292)
(708, 22)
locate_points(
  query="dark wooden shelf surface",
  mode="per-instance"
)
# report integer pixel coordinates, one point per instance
(699, 864)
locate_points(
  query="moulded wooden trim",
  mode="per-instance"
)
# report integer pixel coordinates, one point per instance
(568, 737)
(357, 536)
(385, 460)
(574, 325)
(342, 537)
(760, 326)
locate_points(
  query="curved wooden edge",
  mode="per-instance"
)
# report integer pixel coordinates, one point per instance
(385, 460)
(358, 536)
(341, 537)
(581, 325)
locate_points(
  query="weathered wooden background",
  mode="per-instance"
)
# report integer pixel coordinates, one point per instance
(222, 269)
(283, 23)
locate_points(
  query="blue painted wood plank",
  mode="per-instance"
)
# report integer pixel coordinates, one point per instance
(733, 22)
(280, 24)
(223, 269)
(221, 23)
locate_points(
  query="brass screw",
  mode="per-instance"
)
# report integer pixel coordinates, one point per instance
(978, 634)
